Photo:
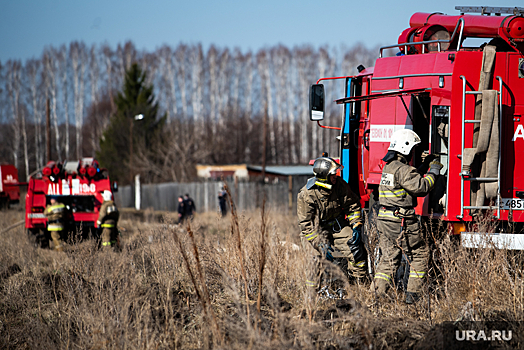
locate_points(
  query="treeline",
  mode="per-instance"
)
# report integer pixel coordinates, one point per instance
(216, 102)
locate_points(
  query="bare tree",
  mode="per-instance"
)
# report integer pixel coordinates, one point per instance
(197, 80)
(52, 89)
(281, 60)
(78, 62)
(180, 64)
(108, 60)
(248, 96)
(304, 60)
(213, 86)
(168, 78)
(14, 89)
(33, 70)
(94, 78)
(61, 57)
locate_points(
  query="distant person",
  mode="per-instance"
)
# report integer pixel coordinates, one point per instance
(181, 210)
(189, 206)
(222, 202)
(57, 215)
(108, 220)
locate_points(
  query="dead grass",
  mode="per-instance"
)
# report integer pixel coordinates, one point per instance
(232, 283)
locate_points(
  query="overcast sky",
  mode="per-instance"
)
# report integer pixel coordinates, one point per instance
(26, 27)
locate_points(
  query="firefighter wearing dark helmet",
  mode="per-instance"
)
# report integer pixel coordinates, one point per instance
(329, 216)
(400, 185)
(56, 214)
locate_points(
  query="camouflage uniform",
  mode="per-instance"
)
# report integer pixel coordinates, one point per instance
(326, 216)
(108, 219)
(399, 186)
(56, 215)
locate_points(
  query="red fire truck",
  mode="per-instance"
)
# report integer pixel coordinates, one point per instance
(77, 184)
(9, 185)
(465, 102)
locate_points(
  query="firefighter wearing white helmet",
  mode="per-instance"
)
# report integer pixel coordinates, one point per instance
(108, 220)
(400, 185)
(329, 216)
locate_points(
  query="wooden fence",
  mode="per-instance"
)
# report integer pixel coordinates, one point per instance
(246, 195)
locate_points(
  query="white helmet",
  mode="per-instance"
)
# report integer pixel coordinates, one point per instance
(106, 195)
(402, 141)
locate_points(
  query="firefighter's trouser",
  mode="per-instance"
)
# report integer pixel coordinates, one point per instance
(413, 245)
(56, 229)
(109, 235)
(340, 241)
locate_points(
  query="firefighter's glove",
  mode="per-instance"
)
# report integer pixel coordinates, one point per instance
(98, 223)
(357, 235)
(427, 158)
(434, 167)
(325, 250)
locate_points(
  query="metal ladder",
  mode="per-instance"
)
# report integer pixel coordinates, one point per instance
(479, 179)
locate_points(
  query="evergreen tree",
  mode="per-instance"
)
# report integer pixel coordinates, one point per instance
(133, 128)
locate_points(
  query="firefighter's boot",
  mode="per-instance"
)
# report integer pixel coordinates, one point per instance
(57, 240)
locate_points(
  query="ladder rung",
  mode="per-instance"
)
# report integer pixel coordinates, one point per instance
(481, 179)
(480, 207)
(471, 121)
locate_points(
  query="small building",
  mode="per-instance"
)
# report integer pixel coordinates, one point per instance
(245, 172)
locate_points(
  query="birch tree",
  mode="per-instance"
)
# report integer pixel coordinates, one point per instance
(180, 64)
(14, 89)
(78, 63)
(51, 88)
(33, 71)
(62, 58)
(197, 80)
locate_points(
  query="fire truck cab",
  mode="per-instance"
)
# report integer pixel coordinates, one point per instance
(77, 184)
(465, 103)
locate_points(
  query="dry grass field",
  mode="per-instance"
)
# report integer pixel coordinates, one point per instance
(231, 283)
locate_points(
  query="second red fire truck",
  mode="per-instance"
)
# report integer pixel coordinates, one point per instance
(77, 184)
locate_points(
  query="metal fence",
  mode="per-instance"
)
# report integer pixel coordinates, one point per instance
(246, 195)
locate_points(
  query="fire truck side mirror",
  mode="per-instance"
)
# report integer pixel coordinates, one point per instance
(316, 102)
(115, 186)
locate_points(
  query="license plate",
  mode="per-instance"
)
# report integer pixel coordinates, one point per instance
(512, 203)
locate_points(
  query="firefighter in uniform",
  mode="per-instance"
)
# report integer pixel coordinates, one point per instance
(329, 215)
(108, 219)
(56, 214)
(400, 185)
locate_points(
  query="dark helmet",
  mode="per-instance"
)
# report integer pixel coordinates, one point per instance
(325, 166)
